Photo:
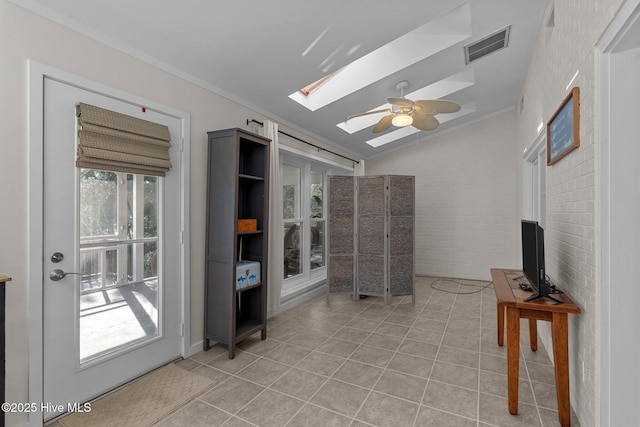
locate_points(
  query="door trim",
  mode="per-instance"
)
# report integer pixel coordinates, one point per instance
(611, 352)
(37, 74)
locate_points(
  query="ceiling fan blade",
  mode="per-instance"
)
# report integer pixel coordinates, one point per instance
(383, 124)
(437, 106)
(400, 102)
(425, 122)
(425, 107)
(386, 110)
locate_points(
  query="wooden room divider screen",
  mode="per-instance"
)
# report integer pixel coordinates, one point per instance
(371, 235)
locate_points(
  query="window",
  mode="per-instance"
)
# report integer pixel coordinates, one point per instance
(304, 230)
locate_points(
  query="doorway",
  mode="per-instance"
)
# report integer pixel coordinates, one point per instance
(534, 180)
(113, 296)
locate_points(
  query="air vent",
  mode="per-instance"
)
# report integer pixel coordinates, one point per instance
(491, 43)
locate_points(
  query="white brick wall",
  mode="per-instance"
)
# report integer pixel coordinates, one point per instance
(466, 198)
(571, 213)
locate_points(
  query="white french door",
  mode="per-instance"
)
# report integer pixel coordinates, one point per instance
(112, 291)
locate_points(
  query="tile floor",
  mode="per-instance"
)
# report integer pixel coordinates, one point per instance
(363, 363)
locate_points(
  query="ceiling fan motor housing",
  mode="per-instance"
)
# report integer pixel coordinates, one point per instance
(401, 109)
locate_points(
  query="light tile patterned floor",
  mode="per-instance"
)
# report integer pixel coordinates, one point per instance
(363, 363)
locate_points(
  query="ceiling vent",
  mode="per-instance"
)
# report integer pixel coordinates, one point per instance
(485, 46)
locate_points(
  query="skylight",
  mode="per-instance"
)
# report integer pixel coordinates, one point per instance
(426, 40)
(306, 91)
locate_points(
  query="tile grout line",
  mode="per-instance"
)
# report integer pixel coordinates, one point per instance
(424, 392)
(308, 401)
(268, 387)
(354, 419)
(455, 300)
(530, 384)
(329, 377)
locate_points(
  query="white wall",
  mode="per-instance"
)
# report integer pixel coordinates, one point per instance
(570, 235)
(24, 36)
(467, 197)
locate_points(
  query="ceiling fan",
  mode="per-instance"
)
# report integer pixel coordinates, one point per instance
(405, 112)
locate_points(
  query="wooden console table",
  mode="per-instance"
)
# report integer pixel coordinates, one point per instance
(511, 298)
(3, 280)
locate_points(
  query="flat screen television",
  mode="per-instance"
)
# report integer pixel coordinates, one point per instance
(533, 260)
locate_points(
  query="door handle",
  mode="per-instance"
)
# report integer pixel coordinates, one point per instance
(58, 274)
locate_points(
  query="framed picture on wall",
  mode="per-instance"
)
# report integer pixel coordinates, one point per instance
(563, 129)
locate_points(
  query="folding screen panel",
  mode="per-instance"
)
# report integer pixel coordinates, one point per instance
(372, 269)
(341, 223)
(401, 234)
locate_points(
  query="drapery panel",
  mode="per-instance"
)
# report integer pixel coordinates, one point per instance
(276, 243)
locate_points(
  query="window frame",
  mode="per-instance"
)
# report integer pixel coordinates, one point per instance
(308, 278)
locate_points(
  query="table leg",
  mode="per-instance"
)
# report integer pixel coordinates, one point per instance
(560, 331)
(513, 356)
(533, 334)
(500, 324)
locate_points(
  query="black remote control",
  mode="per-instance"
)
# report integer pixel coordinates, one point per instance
(524, 286)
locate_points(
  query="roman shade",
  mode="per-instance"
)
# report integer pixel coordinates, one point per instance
(121, 143)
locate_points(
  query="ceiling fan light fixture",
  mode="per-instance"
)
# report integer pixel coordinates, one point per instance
(402, 120)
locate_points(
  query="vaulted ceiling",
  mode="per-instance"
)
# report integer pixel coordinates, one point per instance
(261, 53)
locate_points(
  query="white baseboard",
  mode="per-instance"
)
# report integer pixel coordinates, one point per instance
(299, 298)
(195, 348)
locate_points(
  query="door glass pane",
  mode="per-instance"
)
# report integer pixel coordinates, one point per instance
(317, 244)
(118, 262)
(150, 226)
(150, 206)
(292, 265)
(150, 260)
(290, 192)
(98, 203)
(99, 268)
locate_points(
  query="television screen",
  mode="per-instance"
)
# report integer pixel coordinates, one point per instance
(533, 259)
(531, 262)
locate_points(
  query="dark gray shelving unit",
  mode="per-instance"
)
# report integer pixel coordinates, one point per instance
(237, 188)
